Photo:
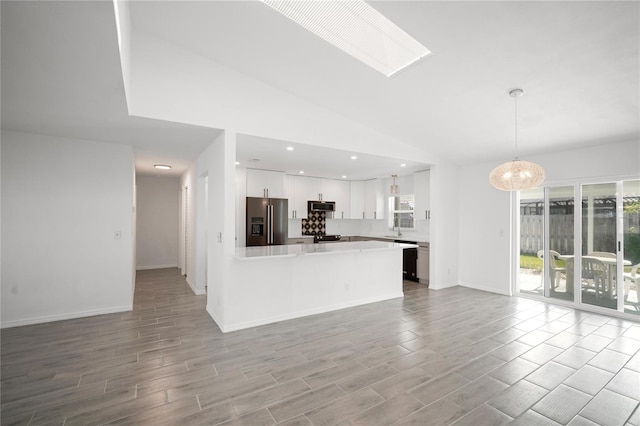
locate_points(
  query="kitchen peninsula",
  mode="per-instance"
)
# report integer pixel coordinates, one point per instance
(276, 283)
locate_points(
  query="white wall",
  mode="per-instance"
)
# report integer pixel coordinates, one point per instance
(62, 202)
(158, 201)
(218, 97)
(216, 211)
(484, 218)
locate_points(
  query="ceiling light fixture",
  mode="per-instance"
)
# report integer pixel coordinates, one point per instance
(289, 148)
(301, 172)
(162, 167)
(517, 174)
(353, 157)
(403, 165)
(357, 29)
(344, 176)
(394, 186)
(237, 163)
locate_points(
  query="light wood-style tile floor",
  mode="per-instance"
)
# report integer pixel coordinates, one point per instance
(454, 356)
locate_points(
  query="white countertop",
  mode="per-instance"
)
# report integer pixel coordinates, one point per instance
(248, 253)
(405, 237)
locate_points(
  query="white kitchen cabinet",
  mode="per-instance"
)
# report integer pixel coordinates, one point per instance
(299, 191)
(367, 199)
(338, 191)
(423, 263)
(374, 205)
(265, 183)
(306, 189)
(357, 199)
(421, 188)
(290, 194)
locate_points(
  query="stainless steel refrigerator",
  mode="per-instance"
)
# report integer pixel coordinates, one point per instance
(267, 222)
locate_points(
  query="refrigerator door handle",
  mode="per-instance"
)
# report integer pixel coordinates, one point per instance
(268, 225)
(270, 221)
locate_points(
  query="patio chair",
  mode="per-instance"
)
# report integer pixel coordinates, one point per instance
(594, 274)
(632, 283)
(554, 269)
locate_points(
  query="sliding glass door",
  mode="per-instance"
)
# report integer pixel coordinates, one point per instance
(581, 244)
(599, 262)
(631, 246)
(561, 242)
(530, 274)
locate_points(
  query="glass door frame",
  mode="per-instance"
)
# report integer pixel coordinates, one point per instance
(577, 303)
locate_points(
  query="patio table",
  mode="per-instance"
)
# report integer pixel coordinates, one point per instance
(609, 263)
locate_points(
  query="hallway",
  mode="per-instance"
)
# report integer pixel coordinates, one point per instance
(434, 357)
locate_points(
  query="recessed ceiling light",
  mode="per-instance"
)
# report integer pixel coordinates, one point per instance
(301, 172)
(237, 162)
(162, 167)
(403, 165)
(344, 176)
(289, 148)
(358, 30)
(353, 157)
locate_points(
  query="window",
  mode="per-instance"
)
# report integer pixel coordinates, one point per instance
(401, 211)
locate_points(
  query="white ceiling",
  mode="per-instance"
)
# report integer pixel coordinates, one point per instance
(267, 154)
(578, 63)
(61, 76)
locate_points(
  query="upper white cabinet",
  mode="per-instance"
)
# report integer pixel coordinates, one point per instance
(265, 183)
(374, 204)
(301, 189)
(306, 189)
(357, 200)
(421, 186)
(367, 199)
(338, 191)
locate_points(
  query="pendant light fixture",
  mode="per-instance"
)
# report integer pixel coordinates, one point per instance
(517, 174)
(394, 186)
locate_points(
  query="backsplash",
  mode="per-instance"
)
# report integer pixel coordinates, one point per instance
(315, 224)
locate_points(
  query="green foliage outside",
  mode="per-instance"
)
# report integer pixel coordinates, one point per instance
(631, 208)
(632, 247)
(530, 261)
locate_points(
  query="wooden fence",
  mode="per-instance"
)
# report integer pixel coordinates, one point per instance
(561, 232)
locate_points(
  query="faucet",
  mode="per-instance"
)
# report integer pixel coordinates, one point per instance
(396, 223)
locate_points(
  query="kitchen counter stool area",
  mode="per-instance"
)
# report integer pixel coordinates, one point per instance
(270, 284)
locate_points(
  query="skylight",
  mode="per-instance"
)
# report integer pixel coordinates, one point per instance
(356, 28)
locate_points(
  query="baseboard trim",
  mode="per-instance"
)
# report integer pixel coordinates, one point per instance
(300, 314)
(195, 291)
(143, 268)
(483, 288)
(215, 319)
(433, 286)
(62, 317)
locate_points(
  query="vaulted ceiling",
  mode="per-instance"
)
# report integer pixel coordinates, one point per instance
(578, 63)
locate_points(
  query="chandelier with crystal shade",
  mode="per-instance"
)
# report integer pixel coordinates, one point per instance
(517, 174)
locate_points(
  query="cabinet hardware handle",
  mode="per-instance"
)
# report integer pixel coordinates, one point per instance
(375, 215)
(363, 215)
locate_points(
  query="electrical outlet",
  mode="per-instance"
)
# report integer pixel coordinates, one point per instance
(117, 235)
